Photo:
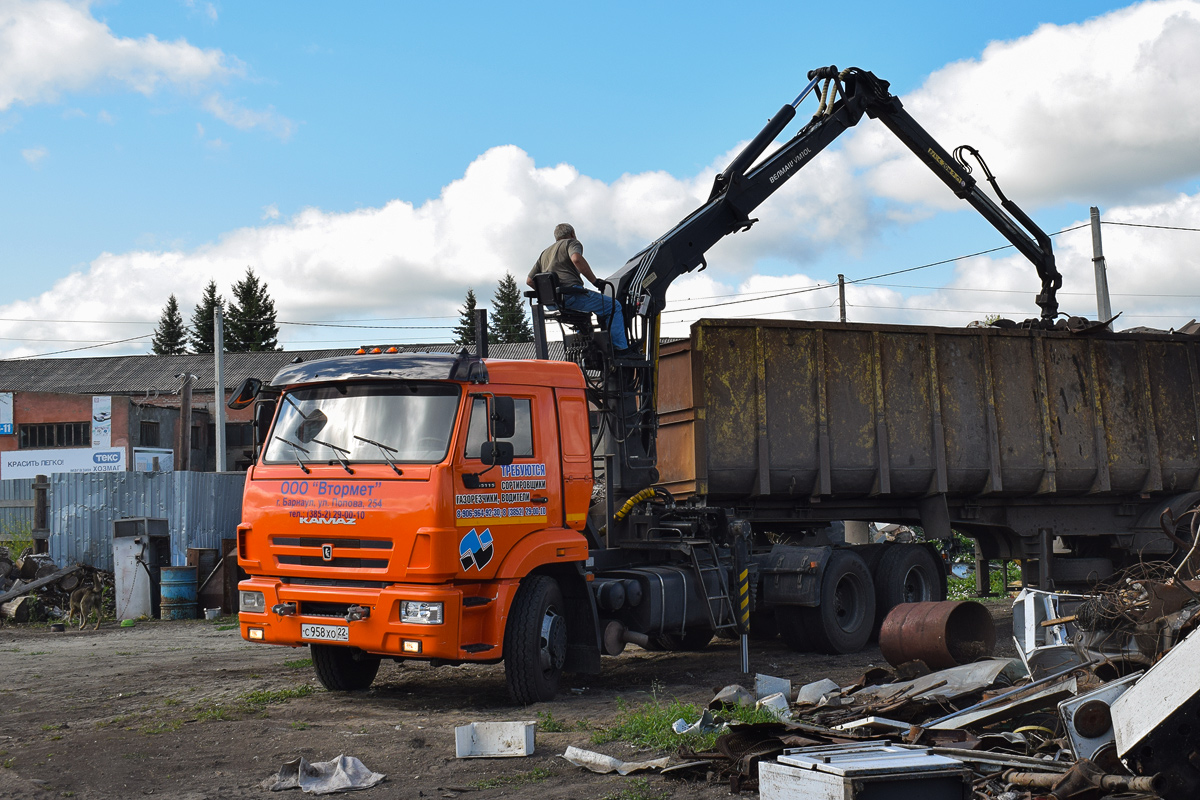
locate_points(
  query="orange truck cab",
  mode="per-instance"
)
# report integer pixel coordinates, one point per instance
(422, 506)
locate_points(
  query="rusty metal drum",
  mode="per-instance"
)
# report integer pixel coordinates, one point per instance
(943, 635)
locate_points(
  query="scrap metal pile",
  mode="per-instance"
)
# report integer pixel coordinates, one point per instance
(33, 588)
(1103, 702)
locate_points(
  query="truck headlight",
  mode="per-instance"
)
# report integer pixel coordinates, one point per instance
(252, 602)
(421, 613)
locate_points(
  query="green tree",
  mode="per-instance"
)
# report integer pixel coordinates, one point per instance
(251, 327)
(464, 331)
(201, 337)
(509, 324)
(170, 337)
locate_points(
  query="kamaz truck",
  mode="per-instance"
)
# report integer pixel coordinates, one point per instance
(456, 508)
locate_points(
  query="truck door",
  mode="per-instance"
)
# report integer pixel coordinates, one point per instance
(575, 438)
(515, 500)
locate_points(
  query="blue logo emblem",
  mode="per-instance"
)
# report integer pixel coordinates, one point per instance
(475, 549)
(106, 458)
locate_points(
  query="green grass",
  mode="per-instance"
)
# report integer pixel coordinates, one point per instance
(255, 702)
(639, 789)
(649, 725)
(533, 776)
(300, 726)
(298, 663)
(548, 724)
(162, 726)
(9, 763)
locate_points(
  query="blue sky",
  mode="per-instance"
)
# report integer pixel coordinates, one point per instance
(336, 109)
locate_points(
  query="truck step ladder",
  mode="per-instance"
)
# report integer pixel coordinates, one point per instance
(721, 612)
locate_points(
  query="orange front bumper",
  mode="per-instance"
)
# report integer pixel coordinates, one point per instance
(468, 632)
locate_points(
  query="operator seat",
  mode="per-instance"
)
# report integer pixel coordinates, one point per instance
(550, 294)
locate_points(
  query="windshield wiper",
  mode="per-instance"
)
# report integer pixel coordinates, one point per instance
(337, 453)
(387, 451)
(297, 450)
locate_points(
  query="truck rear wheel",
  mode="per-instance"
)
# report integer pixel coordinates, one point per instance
(842, 622)
(343, 669)
(535, 643)
(907, 573)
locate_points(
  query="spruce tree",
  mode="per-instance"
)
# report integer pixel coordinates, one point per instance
(201, 337)
(509, 324)
(464, 331)
(170, 337)
(250, 326)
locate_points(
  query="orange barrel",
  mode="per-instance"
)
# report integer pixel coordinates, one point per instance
(943, 635)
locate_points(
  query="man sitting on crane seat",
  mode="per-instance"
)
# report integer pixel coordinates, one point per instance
(565, 259)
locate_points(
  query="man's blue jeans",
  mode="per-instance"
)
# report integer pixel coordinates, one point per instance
(607, 310)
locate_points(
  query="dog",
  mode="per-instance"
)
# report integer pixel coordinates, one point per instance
(84, 600)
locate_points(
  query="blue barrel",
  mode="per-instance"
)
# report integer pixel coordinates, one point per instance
(178, 587)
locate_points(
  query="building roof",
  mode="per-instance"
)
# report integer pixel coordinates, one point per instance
(137, 375)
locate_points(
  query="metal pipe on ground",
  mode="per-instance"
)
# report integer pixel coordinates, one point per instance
(943, 635)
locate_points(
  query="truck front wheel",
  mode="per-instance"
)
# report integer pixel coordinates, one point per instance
(843, 620)
(343, 669)
(535, 642)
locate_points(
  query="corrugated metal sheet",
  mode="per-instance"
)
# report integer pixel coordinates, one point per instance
(19, 489)
(201, 508)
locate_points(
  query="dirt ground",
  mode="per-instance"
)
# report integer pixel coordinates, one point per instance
(189, 710)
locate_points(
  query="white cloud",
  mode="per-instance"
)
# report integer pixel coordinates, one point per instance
(105, 117)
(1098, 111)
(208, 9)
(402, 260)
(245, 119)
(34, 155)
(270, 212)
(48, 47)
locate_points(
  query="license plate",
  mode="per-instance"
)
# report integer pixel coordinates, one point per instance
(325, 633)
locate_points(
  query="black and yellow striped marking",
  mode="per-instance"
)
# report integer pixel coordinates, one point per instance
(744, 593)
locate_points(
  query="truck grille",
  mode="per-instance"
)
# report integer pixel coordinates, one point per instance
(344, 548)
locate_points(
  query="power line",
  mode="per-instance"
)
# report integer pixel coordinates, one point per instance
(77, 349)
(987, 311)
(1141, 225)
(1023, 291)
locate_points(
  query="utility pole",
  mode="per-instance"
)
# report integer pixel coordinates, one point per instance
(1103, 305)
(842, 295)
(481, 333)
(219, 388)
(184, 462)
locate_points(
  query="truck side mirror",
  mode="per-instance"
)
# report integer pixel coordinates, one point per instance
(245, 394)
(504, 419)
(264, 412)
(496, 454)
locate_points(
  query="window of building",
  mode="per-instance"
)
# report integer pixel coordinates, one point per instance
(239, 434)
(55, 434)
(148, 434)
(522, 440)
(195, 437)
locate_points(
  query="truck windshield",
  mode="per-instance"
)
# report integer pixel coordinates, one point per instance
(413, 420)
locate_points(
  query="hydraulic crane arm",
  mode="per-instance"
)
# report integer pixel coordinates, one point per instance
(641, 285)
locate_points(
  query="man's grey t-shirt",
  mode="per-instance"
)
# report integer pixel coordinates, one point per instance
(557, 259)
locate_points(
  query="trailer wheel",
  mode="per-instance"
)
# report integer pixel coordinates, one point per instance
(694, 640)
(842, 622)
(343, 669)
(535, 643)
(907, 573)
(792, 624)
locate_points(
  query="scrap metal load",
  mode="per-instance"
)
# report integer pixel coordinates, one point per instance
(1013, 436)
(1106, 716)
